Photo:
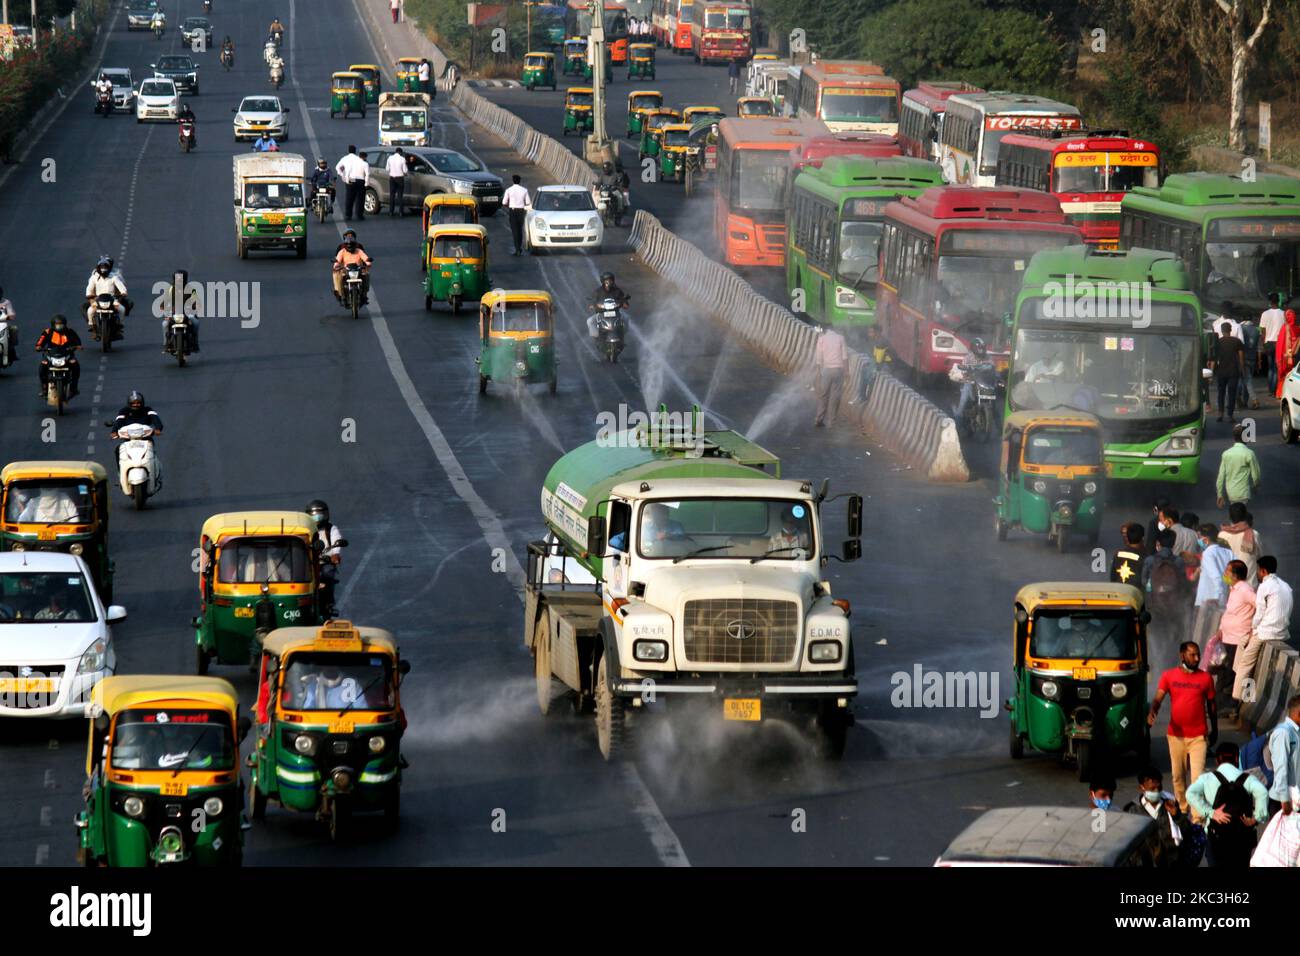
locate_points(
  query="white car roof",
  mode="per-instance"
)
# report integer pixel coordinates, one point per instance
(260, 96)
(563, 189)
(39, 561)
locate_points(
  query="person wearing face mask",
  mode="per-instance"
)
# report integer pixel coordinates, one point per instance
(1154, 526)
(1102, 792)
(1234, 629)
(1193, 717)
(1211, 588)
(1233, 802)
(331, 540)
(1160, 805)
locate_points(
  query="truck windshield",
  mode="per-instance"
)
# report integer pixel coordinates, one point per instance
(332, 681)
(727, 528)
(172, 740)
(49, 502)
(1083, 635)
(400, 120)
(273, 196)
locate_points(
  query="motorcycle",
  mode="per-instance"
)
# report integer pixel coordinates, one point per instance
(107, 322)
(138, 471)
(322, 204)
(268, 52)
(610, 203)
(277, 37)
(277, 75)
(179, 341)
(158, 29)
(104, 103)
(7, 328)
(207, 6)
(353, 282)
(58, 360)
(980, 418)
(227, 58)
(186, 135)
(611, 329)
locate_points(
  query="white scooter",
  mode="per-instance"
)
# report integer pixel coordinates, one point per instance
(138, 470)
(268, 52)
(277, 72)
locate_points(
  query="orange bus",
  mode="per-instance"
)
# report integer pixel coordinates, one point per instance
(721, 32)
(849, 96)
(672, 24)
(754, 157)
(578, 24)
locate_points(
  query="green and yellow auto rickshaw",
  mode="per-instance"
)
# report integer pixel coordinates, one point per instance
(1080, 667)
(577, 110)
(329, 724)
(347, 94)
(515, 329)
(258, 570)
(372, 78)
(674, 151)
(652, 121)
(692, 114)
(638, 102)
(748, 106)
(1052, 476)
(641, 61)
(457, 265)
(162, 765)
(444, 209)
(575, 58)
(539, 70)
(407, 72)
(59, 506)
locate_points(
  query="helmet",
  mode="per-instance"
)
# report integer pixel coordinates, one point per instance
(608, 167)
(978, 347)
(349, 232)
(318, 510)
(58, 321)
(105, 265)
(350, 241)
(606, 277)
(322, 164)
(136, 398)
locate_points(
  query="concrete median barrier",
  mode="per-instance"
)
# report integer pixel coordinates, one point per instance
(1277, 678)
(902, 420)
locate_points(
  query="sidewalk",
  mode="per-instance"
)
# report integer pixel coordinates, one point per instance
(398, 39)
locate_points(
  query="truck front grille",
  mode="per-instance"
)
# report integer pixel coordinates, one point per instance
(740, 631)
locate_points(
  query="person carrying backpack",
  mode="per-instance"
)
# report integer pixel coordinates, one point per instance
(1164, 578)
(1233, 802)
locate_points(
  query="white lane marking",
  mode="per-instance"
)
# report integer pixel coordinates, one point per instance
(361, 565)
(662, 838)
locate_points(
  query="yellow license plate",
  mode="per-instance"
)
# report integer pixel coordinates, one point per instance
(46, 534)
(245, 612)
(173, 788)
(1085, 673)
(341, 726)
(27, 685)
(742, 709)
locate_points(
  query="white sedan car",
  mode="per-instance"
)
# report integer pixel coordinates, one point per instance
(563, 217)
(1290, 407)
(258, 114)
(55, 640)
(158, 99)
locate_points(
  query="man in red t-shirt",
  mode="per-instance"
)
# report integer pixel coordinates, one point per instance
(1190, 731)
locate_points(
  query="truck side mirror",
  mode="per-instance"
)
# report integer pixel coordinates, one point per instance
(852, 550)
(855, 516)
(596, 535)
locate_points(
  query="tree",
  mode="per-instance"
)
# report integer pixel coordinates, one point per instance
(1243, 55)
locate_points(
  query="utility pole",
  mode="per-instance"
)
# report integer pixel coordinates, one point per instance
(35, 31)
(528, 6)
(599, 149)
(4, 11)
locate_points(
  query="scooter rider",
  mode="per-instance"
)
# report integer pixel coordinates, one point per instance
(104, 87)
(322, 178)
(135, 412)
(58, 333)
(608, 290)
(186, 114)
(265, 144)
(618, 183)
(276, 31)
(350, 253)
(103, 280)
(963, 372)
(331, 550)
(173, 299)
(7, 314)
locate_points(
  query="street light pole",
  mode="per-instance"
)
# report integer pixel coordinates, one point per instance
(599, 149)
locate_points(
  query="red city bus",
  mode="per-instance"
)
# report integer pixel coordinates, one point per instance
(672, 24)
(921, 116)
(749, 204)
(1089, 173)
(720, 32)
(951, 261)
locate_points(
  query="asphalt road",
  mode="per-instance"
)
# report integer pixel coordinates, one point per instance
(438, 476)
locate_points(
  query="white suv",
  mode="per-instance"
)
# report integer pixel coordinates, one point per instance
(55, 640)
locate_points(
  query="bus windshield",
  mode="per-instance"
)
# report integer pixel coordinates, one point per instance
(978, 285)
(1104, 178)
(758, 179)
(859, 253)
(1120, 374)
(1246, 272)
(846, 103)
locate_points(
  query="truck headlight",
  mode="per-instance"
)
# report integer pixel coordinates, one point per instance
(824, 652)
(1050, 689)
(1119, 690)
(650, 651)
(304, 744)
(944, 342)
(94, 658)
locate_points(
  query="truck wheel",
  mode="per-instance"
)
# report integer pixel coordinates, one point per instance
(542, 664)
(300, 247)
(611, 722)
(256, 801)
(241, 248)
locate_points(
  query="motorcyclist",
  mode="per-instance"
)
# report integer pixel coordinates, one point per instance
(349, 254)
(169, 301)
(104, 280)
(134, 412)
(608, 289)
(7, 314)
(276, 30)
(265, 144)
(269, 50)
(617, 182)
(158, 22)
(322, 178)
(964, 373)
(331, 550)
(186, 115)
(104, 87)
(228, 50)
(276, 62)
(58, 334)
(349, 234)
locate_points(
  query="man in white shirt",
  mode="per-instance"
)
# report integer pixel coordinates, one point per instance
(8, 328)
(353, 172)
(1272, 620)
(397, 170)
(517, 203)
(423, 73)
(1270, 324)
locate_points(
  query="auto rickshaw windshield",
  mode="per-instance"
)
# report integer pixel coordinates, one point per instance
(333, 681)
(50, 501)
(677, 137)
(350, 83)
(257, 560)
(458, 247)
(537, 60)
(172, 740)
(1091, 634)
(646, 102)
(36, 597)
(1063, 446)
(452, 215)
(580, 99)
(520, 317)
(273, 196)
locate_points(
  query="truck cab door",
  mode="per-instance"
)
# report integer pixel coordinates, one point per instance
(618, 552)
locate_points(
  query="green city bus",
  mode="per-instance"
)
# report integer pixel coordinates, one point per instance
(834, 218)
(1115, 334)
(1239, 241)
